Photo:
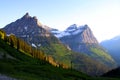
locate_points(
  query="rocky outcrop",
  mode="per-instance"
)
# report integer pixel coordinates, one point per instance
(83, 33)
(29, 29)
(77, 38)
(87, 36)
(81, 39)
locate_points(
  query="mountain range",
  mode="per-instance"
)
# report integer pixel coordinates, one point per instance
(113, 47)
(76, 47)
(81, 39)
(17, 63)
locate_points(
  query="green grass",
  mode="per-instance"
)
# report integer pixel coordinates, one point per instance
(102, 53)
(37, 71)
(27, 68)
(103, 57)
(24, 67)
(61, 50)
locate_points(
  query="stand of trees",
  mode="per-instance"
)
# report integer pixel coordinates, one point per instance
(22, 46)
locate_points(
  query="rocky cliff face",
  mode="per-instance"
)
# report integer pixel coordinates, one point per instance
(86, 35)
(77, 38)
(81, 39)
(29, 29)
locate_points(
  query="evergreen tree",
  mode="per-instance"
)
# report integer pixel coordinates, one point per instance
(11, 43)
(18, 44)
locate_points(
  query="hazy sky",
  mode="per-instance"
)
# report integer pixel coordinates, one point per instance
(102, 16)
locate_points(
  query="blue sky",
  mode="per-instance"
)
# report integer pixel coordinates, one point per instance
(102, 16)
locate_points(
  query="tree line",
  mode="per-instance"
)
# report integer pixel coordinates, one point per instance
(27, 49)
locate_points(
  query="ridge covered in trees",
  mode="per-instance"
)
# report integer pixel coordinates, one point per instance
(24, 47)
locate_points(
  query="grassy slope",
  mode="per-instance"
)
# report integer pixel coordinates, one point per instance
(16, 64)
(28, 68)
(106, 58)
(62, 56)
(79, 61)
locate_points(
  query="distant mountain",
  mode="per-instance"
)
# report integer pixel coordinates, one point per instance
(113, 48)
(81, 39)
(77, 38)
(40, 37)
(85, 33)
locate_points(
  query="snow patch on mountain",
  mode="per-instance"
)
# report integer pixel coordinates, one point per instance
(77, 32)
(39, 45)
(33, 45)
(62, 34)
(56, 32)
(72, 30)
(25, 28)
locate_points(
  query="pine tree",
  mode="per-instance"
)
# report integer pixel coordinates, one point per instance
(18, 44)
(11, 43)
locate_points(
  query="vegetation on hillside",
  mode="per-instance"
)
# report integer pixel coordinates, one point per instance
(22, 46)
(106, 57)
(17, 63)
(58, 55)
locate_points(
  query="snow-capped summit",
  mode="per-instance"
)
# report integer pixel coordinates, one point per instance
(55, 31)
(77, 38)
(71, 30)
(83, 27)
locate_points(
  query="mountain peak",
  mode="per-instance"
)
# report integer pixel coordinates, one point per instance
(26, 24)
(29, 29)
(34, 17)
(86, 25)
(26, 15)
(83, 33)
(83, 27)
(28, 18)
(74, 26)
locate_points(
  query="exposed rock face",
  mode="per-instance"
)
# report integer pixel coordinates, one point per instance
(81, 39)
(87, 36)
(29, 29)
(77, 38)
